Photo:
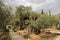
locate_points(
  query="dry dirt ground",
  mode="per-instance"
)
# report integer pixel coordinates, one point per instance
(41, 36)
(15, 36)
(57, 37)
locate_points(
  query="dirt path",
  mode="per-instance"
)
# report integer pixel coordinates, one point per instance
(57, 37)
(15, 36)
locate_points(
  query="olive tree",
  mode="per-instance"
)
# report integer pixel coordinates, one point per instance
(23, 14)
(5, 12)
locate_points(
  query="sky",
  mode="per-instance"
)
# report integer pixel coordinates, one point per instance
(37, 5)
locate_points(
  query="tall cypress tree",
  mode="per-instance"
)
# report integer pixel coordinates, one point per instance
(49, 12)
(42, 12)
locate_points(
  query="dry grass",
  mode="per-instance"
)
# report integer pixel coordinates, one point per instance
(22, 32)
(34, 37)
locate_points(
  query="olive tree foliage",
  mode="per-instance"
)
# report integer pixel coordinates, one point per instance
(58, 24)
(4, 14)
(45, 21)
(58, 16)
(34, 16)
